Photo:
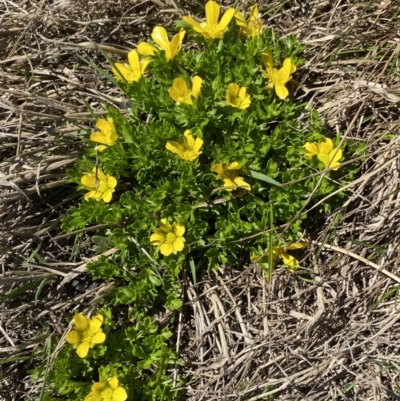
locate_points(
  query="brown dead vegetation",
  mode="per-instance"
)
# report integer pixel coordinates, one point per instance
(333, 338)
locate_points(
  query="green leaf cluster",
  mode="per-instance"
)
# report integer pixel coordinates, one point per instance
(221, 227)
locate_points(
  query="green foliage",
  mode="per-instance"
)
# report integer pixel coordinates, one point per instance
(221, 227)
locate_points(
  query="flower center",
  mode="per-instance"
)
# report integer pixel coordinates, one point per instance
(87, 335)
(325, 158)
(106, 394)
(170, 238)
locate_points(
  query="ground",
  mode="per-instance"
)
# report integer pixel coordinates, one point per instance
(334, 338)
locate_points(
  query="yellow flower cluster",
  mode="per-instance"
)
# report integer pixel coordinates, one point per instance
(85, 334)
(169, 238)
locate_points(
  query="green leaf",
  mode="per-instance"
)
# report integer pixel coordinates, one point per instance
(263, 177)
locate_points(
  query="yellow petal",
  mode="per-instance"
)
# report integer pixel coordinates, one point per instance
(281, 91)
(179, 89)
(159, 35)
(81, 323)
(212, 12)
(176, 43)
(297, 245)
(143, 65)
(289, 260)
(226, 19)
(107, 196)
(195, 25)
(165, 226)
(334, 165)
(119, 394)
(240, 19)
(240, 182)
(233, 166)
(73, 337)
(98, 338)
(104, 126)
(254, 11)
(166, 249)
(233, 90)
(99, 137)
(95, 323)
(100, 148)
(197, 81)
(325, 146)
(120, 71)
(157, 239)
(99, 386)
(89, 182)
(146, 49)
(111, 182)
(217, 168)
(285, 71)
(178, 230)
(83, 349)
(178, 244)
(267, 59)
(98, 172)
(242, 93)
(198, 143)
(175, 147)
(311, 149)
(133, 59)
(188, 141)
(113, 382)
(94, 396)
(229, 185)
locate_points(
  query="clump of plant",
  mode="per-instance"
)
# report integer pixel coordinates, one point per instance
(210, 160)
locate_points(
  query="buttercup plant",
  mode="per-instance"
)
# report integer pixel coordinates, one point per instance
(209, 166)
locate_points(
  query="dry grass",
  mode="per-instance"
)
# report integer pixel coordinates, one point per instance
(334, 337)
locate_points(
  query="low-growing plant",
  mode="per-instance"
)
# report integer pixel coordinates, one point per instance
(213, 160)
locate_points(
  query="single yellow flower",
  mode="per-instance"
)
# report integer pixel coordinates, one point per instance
(254, 26)
(211, 29)
(133, 71)
(160, 36)
(277, 78)
(190, 150)
(107, 135)
(325, 152)
(86, 334)
(180, 92)
(169, 238)
(237, 96)
(230, 175)
(280, 252)
(99, 185)
(107, 391)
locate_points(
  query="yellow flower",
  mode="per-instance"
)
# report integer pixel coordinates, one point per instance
(99, 185)
(169, 238)
(230, 175)
(211, 29)
(254, 26)
(133, 71)
(190, 150)
(86, 334)
(277, 78)
(325, 152)
(280, 252)
(107, 391)
(107, 135)
(237, 97)
(160, 36)
(180, 92)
